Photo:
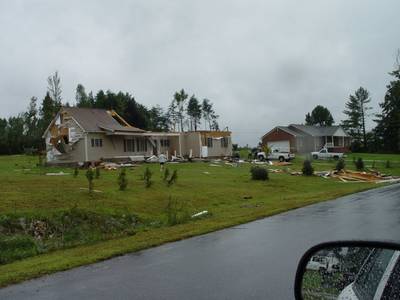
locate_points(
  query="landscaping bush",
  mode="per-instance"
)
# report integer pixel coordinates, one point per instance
(340, 165)
(97, 173)
(176, 212)
(122, 180)
(166, 174)
(76, 172)
(308, 169)
(388, 166)
(90, 177)
(259, 173)
(147, 177)
(173, 178)
(359, 164)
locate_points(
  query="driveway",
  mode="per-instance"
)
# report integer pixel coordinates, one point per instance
(251, 261)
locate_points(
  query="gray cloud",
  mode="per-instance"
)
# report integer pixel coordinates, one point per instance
(262, 63)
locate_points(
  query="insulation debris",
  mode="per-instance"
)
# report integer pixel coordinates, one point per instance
(61, 173)
(200, 214)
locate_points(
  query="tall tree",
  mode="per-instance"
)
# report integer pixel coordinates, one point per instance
(209, 115)
(356, 112)
(320, 116)
(388, 127)
(194, 112)
(172, 116)
(4, 149)
(48, 110)
(158, 119)
(31, 120)
(180, 100)
(54, 88)
(16, 134)
(309, 120)
(81, 98)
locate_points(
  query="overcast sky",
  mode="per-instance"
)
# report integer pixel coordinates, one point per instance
(262, 63)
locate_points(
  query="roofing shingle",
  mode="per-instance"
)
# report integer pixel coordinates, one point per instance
(96, 120)
(316, 130)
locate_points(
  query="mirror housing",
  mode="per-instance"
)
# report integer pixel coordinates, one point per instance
(307, 257)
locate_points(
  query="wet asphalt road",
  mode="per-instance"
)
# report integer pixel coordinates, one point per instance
(250, 261)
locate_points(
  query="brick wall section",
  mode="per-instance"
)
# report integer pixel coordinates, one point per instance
(280, 135)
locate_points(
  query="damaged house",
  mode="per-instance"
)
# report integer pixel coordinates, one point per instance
(89, 134)
(306, 138)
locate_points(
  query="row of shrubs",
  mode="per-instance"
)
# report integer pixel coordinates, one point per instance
(122, 180)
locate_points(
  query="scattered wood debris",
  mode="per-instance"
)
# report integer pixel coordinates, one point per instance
(357, 176)
(86, 189)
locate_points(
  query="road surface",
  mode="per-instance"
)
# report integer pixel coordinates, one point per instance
(250, 261)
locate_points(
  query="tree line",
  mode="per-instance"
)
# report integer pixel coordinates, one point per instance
(385, 136)
(23, 132)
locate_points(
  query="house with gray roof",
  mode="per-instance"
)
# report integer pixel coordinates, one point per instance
(305, 138)
(89, 134)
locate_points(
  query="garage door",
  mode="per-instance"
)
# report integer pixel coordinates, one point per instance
(281, 145)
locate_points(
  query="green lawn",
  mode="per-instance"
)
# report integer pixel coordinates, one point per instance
(99, 226)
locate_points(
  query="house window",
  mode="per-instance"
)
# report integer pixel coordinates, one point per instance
(164, 143)
(209, 142)
(129, 145)
(97, 142)
(141, 145)
(224, 142)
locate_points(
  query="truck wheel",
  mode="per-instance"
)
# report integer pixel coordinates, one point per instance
(261, 158)
(281, 159)
(315, 156)
(336, 157)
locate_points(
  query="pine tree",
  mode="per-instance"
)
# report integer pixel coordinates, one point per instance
(388, 127)
(194, 112)
(356, 111)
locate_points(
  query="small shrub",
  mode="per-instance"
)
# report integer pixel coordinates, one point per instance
(97, 173)
(173, 178)
(359, 164)
(16, 247)
(122, 180)
(308, 169)
(166, 174)
(259, 173)
(76, 172)
(90, 177)
(388, 166)
(340, 165)
(176, 212)
(147, 177)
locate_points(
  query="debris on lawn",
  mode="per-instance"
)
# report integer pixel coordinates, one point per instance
(276, 170)
(86, 189)
(61, 173)
(152, 158)
(110, 166)
(358, 176)
(206, 172)
(281, 163)
(200, 214)
(214, 165)
(247, 197)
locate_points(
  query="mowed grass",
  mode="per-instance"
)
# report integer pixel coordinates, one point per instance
(221, 190)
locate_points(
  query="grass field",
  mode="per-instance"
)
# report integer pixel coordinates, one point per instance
(80, 228)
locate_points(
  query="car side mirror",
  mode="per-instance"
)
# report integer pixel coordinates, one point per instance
(349, 270)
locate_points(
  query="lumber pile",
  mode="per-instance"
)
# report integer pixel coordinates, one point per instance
(357, 176)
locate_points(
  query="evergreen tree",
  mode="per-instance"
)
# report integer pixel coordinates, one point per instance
(356, 112)
(48, 110)
(320, 116)
(388, 127)
(180, 100)
(31, 129)
(4, 137)
(194, 112)
(81, 98)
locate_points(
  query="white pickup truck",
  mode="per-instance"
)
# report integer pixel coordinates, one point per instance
(276, 155)
(325, 154)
